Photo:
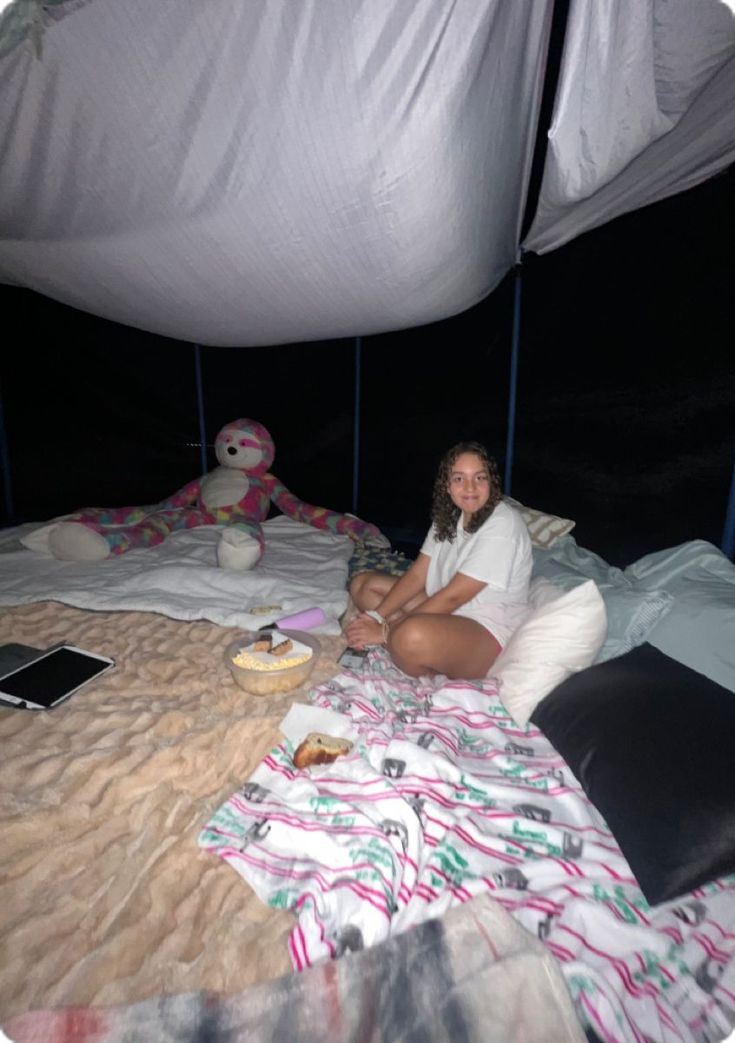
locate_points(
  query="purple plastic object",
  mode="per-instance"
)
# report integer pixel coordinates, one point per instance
(310, 617)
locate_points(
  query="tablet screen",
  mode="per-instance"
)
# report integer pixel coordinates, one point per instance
(53, 676)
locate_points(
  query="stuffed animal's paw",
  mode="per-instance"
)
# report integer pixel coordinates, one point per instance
(72, 541)
(38, 539)
(237, 550)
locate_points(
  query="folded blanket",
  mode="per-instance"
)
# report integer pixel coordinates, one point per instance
(474, 976)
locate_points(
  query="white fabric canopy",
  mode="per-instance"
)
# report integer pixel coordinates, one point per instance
(279, 170)
(645, 107)
(276, 171)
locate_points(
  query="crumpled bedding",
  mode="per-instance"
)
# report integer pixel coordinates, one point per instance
(104, 896)
(474, 976)
(302, 567)
(444, 797)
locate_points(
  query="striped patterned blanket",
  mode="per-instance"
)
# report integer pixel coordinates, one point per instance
(444, 798)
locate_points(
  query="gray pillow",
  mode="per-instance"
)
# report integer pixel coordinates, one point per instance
(632, 612)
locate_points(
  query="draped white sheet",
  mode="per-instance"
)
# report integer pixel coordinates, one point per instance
(273, 171)
(645, 108)
(289, 170)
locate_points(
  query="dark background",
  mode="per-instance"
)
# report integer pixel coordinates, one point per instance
(626, 395)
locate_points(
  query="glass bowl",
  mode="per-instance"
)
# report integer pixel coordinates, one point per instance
(271, 682)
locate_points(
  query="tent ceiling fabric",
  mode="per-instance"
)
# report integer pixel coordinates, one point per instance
(270, 172)
(293, 170)
(645, 108)
(20, 19)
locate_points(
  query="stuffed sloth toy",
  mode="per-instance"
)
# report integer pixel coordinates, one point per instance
(236, 494)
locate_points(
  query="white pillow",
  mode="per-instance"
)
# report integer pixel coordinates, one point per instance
(562, 634)
(544, 529)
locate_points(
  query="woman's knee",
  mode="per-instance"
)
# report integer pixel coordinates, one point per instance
(408, 639)
(356, 585)
(368, 589)
(361, 590)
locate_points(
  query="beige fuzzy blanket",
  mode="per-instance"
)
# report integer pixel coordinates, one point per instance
(105, 897)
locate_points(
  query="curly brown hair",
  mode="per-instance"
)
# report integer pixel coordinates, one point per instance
(444, 513)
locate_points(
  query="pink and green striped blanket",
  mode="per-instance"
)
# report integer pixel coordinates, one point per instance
(444, 797)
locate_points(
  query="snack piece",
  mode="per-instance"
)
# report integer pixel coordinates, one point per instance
(250, 660)
(318, 748)
(282, 647)
(263, 644)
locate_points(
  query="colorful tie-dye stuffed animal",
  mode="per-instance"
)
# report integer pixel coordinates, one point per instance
(236, 494)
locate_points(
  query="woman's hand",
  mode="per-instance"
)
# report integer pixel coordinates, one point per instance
(363, 630)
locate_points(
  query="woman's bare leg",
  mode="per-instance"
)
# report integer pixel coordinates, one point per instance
(458, 647)
(369, 588)
(425, 643)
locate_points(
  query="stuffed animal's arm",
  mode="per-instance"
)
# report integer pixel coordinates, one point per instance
(320, 517)
(185, 497)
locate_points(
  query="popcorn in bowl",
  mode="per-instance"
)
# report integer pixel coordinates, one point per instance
(272, 662)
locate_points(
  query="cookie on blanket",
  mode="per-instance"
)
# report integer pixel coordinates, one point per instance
(318, 748)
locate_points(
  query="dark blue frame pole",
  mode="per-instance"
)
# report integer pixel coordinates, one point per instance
(513, 388)
(356, 428)
(5, 462)
(200, 406)
(728, 533)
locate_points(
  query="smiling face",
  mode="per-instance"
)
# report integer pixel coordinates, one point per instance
(469, 484)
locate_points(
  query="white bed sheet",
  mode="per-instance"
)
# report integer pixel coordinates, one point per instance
(302, 567)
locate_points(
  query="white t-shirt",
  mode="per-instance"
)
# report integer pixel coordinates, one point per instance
(498, 554)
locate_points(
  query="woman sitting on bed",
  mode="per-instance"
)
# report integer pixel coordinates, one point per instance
(455, 608)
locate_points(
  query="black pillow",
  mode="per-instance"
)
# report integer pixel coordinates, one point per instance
(652, 742)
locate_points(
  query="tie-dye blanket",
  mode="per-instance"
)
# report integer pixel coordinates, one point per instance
(474, 976)
(444, 797)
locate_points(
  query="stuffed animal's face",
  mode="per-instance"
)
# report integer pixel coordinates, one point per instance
(246, 446)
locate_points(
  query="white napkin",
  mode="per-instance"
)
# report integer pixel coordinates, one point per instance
(302, 719)
(299, 648)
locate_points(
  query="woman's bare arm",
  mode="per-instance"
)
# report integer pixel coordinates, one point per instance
(457, 592)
